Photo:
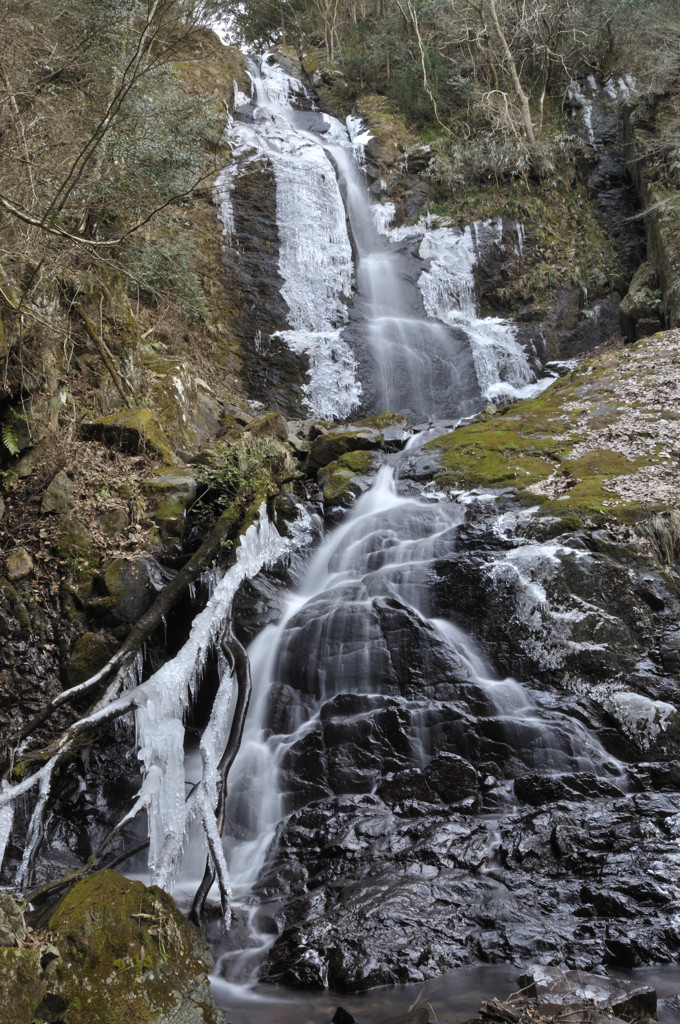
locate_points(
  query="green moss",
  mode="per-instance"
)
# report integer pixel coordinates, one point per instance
(339, 479)
(75, 542)
(90, 653)
(568, 243)
(383, 420)
(22, 985)
(109, 931)
(531, 447)
(134, 430)
(169, 517)
(355, 462)
(329, 447)
(13, 608)
(386, 124)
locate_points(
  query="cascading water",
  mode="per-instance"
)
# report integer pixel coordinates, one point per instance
(361, 682)
(389, 330)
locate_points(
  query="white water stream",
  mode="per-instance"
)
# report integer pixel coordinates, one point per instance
(429, 354)
(382, 329)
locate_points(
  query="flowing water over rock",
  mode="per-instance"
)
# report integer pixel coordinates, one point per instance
(401, 804)
(462, 744)
(384, 322)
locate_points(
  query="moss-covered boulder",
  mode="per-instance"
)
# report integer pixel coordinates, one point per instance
(600, 443)
(170, 494)
(640, 311)
(272, 424)
(22, 985)
(74, 541)
(349, 476)
(329, 446)
(90, 652)
(15, 622)
(184, 405)
(128, 955)
(133, 430)
(123, 590)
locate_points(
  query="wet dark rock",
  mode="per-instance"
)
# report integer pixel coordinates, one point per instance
(569, 876)
(452, 778)
(537, 789)
(124, 589)
(329, 446)
(273, 373)
(557, 991)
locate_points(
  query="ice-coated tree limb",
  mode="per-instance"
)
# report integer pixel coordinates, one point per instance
(236, 656)
(111, 677)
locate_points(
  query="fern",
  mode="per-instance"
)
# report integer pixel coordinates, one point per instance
(9, 439)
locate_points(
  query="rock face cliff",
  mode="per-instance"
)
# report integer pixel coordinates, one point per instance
(424, 830)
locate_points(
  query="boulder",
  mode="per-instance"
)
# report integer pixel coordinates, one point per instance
(170, 494)
(22, 985)
(641, 309)
(556, 990)
(272, 424)
(328, 447)
(124, 589)
(452, 777)
(349, 476)
(12, 924)
(90, 652)
(18, 565)
(59, 494)
(127, 954)
(133, 430)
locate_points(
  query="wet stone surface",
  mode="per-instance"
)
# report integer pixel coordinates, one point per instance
(440, 813)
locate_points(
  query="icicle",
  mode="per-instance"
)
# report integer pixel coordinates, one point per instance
(6, 822)
(34, 834)
(164, 698)
(383, 215)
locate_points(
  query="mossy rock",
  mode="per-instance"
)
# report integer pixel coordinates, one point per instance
(75, 541)
(134, 430)
(272, 424)
(22, 985)
(185, 407)
(384, 420)
(391, 137)
(15, 622)
(642, 304)
(90, 652)
(331, 446)
(127, 954)
(344, 480)
(585, 448)
(123, 590)
(170, 494)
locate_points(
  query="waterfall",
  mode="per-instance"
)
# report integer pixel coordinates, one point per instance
(383, 328)
(366, 697)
